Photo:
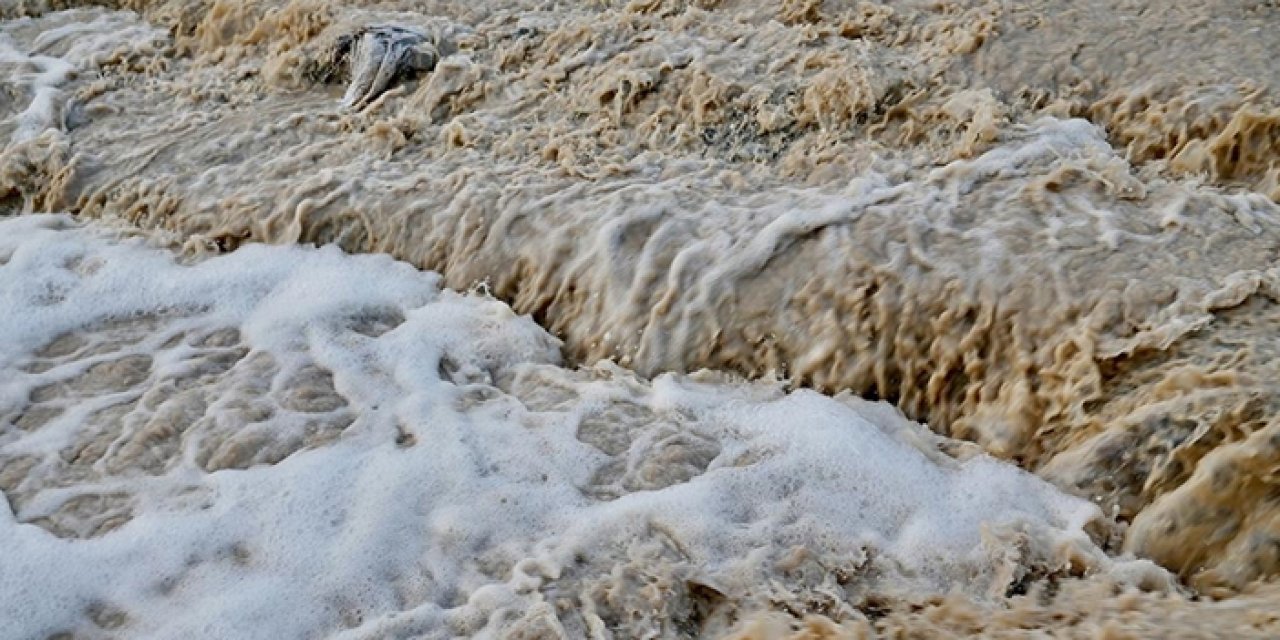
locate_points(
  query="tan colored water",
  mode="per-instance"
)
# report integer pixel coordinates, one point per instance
(1048, 227)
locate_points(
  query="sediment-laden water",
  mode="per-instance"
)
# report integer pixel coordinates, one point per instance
(737, 233)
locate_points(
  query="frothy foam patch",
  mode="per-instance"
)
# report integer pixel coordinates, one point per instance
(433, 468)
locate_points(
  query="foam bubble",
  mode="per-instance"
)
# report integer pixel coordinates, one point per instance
(474, 483)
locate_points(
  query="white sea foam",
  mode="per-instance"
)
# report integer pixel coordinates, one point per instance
(473, 487)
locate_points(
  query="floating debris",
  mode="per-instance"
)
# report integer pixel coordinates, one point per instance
(382, 56)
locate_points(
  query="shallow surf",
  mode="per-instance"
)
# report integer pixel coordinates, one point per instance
(708, 229)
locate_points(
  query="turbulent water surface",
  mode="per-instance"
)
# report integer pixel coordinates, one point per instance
(724, 260)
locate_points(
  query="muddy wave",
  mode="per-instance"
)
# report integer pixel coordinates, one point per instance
(1058, 248)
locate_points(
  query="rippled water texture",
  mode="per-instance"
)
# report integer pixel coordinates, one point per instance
(1045, 229)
